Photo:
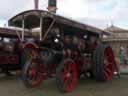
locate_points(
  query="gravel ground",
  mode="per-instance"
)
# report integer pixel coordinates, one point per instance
(12, 86)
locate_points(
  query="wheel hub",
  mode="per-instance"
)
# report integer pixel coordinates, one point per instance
(68, 75)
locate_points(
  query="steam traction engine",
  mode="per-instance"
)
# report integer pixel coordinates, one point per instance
(65, 49)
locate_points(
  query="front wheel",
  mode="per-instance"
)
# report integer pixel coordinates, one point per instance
(66, 75)
(32, 73)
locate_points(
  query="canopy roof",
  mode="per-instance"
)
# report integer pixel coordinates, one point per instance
(32, 20)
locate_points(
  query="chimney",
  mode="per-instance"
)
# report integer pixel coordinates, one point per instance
(36, 4)
(52, 6)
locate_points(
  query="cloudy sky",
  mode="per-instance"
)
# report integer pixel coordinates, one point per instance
(99, 13)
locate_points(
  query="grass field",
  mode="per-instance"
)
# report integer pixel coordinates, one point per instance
(13, 86)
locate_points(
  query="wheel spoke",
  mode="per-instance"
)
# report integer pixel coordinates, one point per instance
(106, 75)
(108, 70)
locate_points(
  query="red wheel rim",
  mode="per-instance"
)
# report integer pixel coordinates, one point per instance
(34, 74)
(108, 69)
(69, 76)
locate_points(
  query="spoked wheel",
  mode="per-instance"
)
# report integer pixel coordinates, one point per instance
(66, 75)
(32, 71)
(109, 62)
(104, 63)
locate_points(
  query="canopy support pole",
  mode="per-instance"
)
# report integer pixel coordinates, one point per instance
(41, 22)
(23, 29)
(48, 30)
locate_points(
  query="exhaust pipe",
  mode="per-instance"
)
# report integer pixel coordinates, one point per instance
(36, 2)
(52, 6)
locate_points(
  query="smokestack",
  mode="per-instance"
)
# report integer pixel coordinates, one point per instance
(52, 6)
(36, 4)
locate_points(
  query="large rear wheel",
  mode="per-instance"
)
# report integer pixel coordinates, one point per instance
(103, 63)
(66, 75)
